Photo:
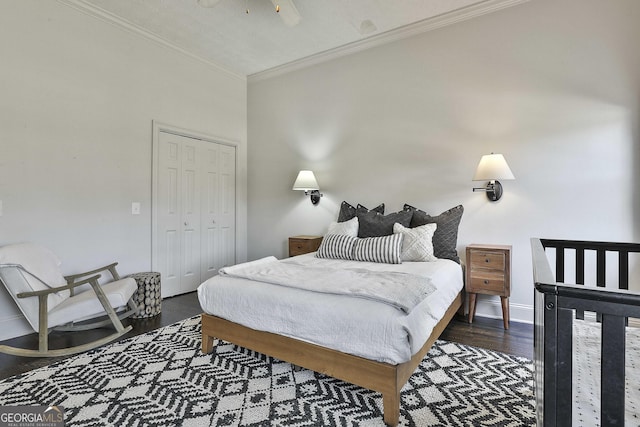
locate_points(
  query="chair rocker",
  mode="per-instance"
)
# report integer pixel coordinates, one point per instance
(50, 301)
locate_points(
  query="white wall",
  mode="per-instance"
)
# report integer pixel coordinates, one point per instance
(77, 101)
(554, 85)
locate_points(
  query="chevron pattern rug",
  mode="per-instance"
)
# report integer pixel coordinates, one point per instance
(162, 379)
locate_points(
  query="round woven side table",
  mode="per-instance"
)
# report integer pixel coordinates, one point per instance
(148, 298)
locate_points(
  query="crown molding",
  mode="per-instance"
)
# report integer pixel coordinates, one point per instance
(400, 33)
(448, 18)
(110, 18)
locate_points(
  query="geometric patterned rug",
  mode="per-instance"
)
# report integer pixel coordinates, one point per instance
(162, 379)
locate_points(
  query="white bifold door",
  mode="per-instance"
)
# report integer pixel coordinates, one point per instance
(194, 210)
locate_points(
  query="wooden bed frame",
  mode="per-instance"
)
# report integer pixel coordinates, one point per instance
(557, 304)
(381, 377)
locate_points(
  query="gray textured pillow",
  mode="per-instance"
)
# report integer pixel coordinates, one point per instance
(347, 211)
(384, 249)
(445, 239)
(373, 224)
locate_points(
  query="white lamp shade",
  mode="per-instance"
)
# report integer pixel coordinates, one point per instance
(493, 167)
(306, 181)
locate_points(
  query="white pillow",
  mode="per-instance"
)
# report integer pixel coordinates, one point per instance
(417, 244)
(349, 228)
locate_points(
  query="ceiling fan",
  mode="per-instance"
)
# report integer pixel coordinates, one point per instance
(288, 12)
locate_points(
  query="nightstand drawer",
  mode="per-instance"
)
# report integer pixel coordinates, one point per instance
(488, 284)
(299, 248)
(299, 245)
(487, 260)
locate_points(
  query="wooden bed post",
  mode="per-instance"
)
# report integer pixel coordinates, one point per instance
(391, 408)
(207, 343)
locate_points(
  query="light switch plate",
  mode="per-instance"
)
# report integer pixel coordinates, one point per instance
(135, 208)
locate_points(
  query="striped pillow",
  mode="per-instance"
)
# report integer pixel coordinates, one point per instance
(385, 249)
(336, 246)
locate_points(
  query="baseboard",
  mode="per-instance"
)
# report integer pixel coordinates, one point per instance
(14, 326)
(492, 308)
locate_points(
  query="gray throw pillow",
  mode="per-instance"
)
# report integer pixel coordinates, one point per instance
(445, 239)
(374, 224)
(348, 212)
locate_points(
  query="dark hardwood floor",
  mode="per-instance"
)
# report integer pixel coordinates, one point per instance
(174, 309)
(490, 334)
(486, 333)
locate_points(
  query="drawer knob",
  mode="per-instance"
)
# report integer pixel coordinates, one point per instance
(486, 282)
(486, 260)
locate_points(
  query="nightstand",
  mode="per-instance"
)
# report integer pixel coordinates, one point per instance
(299, 245)
(489, 272)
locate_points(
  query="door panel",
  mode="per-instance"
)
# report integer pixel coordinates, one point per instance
(168, 213)
(211, 246)
(190, 215)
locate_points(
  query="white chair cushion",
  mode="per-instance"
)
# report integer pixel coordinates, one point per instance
(36, 259)
(85, 305)
(41, 262)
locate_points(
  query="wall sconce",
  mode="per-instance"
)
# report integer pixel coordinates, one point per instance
(492, 167)
(306, 181)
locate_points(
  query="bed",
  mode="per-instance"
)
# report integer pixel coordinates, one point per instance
(367, 342)
(586, 339)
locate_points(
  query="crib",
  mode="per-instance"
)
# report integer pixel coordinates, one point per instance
(559, 306)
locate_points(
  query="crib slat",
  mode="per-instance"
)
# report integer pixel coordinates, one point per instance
(564, 371)
(623, 270)
(601, 269)
(580, 266)
(580, 276)
(612, 370)
(560, 264)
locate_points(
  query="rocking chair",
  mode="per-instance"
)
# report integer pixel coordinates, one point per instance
(49, 300)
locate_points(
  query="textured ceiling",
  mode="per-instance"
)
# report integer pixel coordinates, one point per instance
(246, 44)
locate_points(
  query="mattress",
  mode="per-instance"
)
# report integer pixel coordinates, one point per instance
(586, 374)
(357, 326)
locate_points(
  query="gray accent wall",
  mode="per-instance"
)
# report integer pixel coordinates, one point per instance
(554, 85)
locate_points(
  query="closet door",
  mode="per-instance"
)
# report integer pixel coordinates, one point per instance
(194, 210)
(178, 214)
(218, 208)
(190, 218)
(227, 212)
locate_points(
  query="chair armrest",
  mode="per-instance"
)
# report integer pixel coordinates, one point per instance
(69, 286)
(110, 267)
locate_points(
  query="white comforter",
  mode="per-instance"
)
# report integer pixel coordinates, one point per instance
(362, 327)
(403, 291)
